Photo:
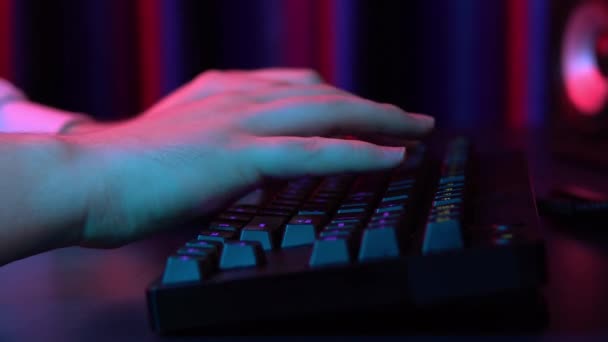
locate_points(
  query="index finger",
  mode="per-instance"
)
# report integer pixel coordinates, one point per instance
(336, 115)
(286, 75)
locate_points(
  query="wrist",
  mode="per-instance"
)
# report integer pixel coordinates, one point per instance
(82, 171)
(48, 191)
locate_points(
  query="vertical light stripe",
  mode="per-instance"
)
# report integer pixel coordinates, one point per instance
(150, 61)
(6, 23)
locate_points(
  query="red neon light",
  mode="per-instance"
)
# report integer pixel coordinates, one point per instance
(517, 64)
(150, 63)
(297, 38)
(6, 14)
(326, 36)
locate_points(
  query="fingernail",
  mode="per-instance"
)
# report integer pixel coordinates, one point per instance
(426, 120)
(394, 154)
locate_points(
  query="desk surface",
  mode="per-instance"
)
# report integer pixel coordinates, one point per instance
(78, 294)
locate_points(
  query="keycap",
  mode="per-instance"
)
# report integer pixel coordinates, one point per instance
(302, 230)
(443, 233)
(387, 215)
(379, 243)
(383, 223)
(390, 207)
(342, 225)
(313, 212)
(395, 198)
(269, 222)
(347, 233)
(275, 212)
(211, 245)
(447, 201)
(243, 209)
(193, 251)
(226, 225)
(267, 237)
(361, 196)
(240, 254)
(330, 251)
(217, 235)
(235, 217)
(352, 210)
(450, 179)
(182, 268)
(264, 229)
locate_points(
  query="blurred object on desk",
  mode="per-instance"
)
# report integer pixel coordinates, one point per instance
(579, 81)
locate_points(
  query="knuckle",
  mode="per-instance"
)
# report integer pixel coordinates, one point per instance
(311, 75)
(312, 145)
(211, 74)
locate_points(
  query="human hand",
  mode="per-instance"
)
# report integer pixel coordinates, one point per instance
(210, 83)
(206, 145)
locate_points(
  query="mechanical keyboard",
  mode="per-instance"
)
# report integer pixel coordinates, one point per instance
(448, 224)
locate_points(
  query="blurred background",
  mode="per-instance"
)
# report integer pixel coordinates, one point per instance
(463, 61)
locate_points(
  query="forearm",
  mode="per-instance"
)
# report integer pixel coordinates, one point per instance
(44, 195)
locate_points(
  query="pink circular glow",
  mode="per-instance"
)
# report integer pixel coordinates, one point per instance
(586, 87)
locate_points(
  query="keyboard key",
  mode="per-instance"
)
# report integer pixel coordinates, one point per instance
(268, 238)
(342, 225)
(352, 210)
(235, 217)
(198, 252)
(313, 212)
(302, 230)
(353, 204)
(183, 268)
(298, 235)
(226, 225)
(275, 212)
(379, 243)
(395, 198)
(383, 223)
(243, 209)
(330, 251)
(390, 207)
(264, 229)
(456, 200)
(347, 219)
(442, 236)
(217, 235)
(211, 245)
(330, 195)
(267, 222)
(309, 220)
(387, 215)
(347, 233)
(242, 254)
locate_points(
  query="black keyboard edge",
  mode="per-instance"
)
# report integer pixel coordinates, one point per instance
(416, 281)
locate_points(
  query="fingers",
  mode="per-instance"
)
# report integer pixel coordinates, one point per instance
(385, 140)
(297, 156)
(282, 92)
(327, 115)
(287, 75)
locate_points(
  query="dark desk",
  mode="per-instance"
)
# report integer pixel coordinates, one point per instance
(76, 294)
